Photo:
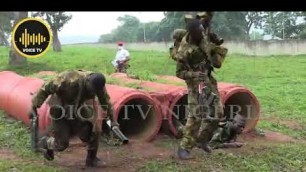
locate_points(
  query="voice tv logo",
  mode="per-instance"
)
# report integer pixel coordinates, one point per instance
(31, 37)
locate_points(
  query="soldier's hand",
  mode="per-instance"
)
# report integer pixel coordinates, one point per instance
(115, 124)
(199, 75)
(239, 144)
(33, 111)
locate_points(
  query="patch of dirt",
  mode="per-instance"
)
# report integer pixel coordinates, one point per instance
(268, 136)
(288, 123)
(44, 73)
(124, 158)
(7, 154)
(133, 156)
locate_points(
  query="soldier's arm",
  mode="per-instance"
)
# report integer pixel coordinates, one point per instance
(46, 90)
(232, 145)
(216, 140)
(183, 72)
(106, 105)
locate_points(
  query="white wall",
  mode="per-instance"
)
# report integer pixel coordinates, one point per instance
(262, 48)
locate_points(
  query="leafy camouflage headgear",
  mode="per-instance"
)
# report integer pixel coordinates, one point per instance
(218, 55)
(188, 17)
(178, 34)
(206, 14)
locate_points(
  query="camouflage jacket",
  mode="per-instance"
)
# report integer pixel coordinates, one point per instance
(190, 59)
(224, 134)
(69, 87)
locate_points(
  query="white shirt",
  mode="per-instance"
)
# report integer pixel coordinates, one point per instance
(121, 55)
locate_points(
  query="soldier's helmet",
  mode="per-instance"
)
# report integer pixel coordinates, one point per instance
(97, 80)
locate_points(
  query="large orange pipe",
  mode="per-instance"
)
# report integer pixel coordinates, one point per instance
(231, 95)
(136, 112)
(18, 105)
(9, 81)
(167, 96)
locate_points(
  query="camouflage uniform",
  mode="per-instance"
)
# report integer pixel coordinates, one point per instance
(189, 57)
(68, 92)
(223, 135)
(211, 44)
(177, 36)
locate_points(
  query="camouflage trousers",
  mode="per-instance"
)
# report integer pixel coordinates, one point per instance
(197, 129)
(66, 124)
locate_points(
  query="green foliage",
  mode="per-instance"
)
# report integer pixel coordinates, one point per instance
(5, 21)
(255, 36)
(273, 157)
(172, 21)
(5, 26)
(229, 25)
(283, 24)
(143, 75)
(57, 19)
(6, 165)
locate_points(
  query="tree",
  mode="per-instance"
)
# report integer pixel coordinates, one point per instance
(15, 59)
(254, 35)
(57, 20)
(230, 25)
(302, 34)
(172, 21)
(5, 26)
(254, 19)
(147, 32)
(283, 24)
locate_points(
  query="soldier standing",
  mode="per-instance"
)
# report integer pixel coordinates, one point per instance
(194, 67)
(70, 116)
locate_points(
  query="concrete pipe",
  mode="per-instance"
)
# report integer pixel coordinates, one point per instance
(136, 112)
(169, 98)
(8, 82)
(235, 98)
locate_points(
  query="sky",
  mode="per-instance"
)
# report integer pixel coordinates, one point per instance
(98, 23)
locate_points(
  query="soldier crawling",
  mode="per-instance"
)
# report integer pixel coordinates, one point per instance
(70, 92)
(226, 135)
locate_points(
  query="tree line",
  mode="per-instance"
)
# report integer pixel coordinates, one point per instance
(229, 25)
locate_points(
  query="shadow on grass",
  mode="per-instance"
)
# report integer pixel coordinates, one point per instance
(29, 68)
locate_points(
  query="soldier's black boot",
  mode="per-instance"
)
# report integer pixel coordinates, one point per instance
(184, 154)
(92, 160)
(48, 153)
(206, 147)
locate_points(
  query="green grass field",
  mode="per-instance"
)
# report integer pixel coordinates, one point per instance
(279, 82)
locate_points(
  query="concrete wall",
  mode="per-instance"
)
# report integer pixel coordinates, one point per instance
(260, 48)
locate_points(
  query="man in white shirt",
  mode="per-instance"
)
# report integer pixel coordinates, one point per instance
(121, 60)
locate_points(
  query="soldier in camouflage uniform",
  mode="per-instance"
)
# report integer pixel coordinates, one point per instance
(193, 66)
(210, 44)
(70, 113)
(225, 136)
